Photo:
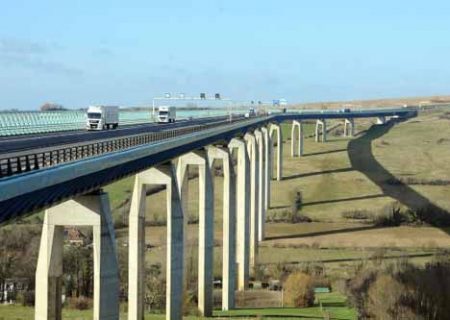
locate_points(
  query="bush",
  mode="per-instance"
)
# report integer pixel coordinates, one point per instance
(299, 290)
(357, 214)
(26, 298)
(390, 216)
(403, 291)
(80, 303)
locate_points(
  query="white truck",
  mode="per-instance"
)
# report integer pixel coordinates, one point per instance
(102, 117)
(167, 114)
(251, 113)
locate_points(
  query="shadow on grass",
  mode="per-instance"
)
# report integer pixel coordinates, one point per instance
(322, 233)
(372, 196)
(317, 173)
(363, 160)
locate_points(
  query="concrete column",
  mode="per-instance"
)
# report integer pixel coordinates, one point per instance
(381, 120)
(253, 151)
(299, 149)
(206, 227)
(349, 127)
(89, 210)
(229, 225)
(321, 124)
(277, 128)
(160, 175)
(267, 144)
(242, 212)
(261, 189)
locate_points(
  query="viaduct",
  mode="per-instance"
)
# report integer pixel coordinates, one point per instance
(66, 179)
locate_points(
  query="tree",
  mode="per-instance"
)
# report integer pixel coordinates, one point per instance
(386, 299)
(50, 106)
(299, 290)
(155, 288)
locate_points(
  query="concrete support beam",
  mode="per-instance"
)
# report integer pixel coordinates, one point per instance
(262, 184)
(267, 143)
(229, 225)
(277, 128)
(205, 227)
(253, 151)
(349, 127)
(242, 212)
(160, 175)
(89, 210)
(297, 150)
(321, 130)
(381, 120)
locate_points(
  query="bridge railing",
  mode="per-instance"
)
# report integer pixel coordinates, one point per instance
(30, 160)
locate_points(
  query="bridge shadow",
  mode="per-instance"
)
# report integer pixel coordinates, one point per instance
(363, 160)
(373, 196)
(323, 233)
(316, 173)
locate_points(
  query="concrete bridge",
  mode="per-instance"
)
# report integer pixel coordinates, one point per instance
(67, 179)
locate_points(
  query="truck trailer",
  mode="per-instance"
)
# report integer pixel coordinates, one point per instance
(102, 117)
(167, 114)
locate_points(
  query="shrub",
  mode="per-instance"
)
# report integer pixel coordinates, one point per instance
(299, 290)
(357, 214)
(402, 291)
(80, 303)
(390, 216)
(26, 298)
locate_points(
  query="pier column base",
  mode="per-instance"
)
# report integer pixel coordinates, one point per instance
(160, 175)
(89, 210)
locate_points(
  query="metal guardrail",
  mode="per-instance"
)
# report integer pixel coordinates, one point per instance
(35, 159)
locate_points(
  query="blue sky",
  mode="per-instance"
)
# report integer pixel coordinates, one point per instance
(125, 52)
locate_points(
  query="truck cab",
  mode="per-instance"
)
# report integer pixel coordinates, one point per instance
(166, 114)
(102, 117)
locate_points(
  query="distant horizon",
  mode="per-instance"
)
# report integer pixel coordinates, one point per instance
(445, 97)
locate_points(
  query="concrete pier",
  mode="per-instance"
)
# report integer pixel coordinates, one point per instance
(321, 130)
(253, 151)
(277, 128)
(297, 150)
(160, 175)
(205, 227)
(260, 140)
(381, 120)
(267, 143)
(242, 212)
(229, 225)
(349, 127)
(89, 210)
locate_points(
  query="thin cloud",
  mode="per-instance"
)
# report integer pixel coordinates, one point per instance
(33, 56)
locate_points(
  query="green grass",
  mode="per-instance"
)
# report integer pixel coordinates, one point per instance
(333, 303)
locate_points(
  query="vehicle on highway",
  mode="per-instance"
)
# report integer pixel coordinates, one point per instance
(167, 114)
(251, 113)
(102, 117)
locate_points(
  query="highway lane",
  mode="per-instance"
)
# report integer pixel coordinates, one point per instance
(21, 143)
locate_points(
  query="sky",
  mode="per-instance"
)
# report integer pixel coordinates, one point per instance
(78, 52)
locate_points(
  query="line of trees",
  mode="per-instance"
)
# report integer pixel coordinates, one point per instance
(402, 291)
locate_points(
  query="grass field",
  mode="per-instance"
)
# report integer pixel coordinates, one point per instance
(332, 303)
